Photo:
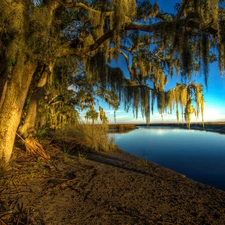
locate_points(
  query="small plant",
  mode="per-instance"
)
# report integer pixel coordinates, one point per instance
(36, 165)
(67, 147)
(82, 155)
(42, 132)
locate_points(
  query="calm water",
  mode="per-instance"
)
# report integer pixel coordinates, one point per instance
(198, 155)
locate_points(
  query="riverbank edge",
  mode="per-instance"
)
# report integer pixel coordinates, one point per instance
(103, 185)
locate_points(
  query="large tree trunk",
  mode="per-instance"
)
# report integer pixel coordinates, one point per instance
(28, 128)
(3, 77)
(12, 105)
(20, 49)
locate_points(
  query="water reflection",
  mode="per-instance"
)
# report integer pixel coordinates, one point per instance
(199, 155)
(160, 132)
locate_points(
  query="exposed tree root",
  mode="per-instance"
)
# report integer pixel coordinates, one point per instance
(34, 147)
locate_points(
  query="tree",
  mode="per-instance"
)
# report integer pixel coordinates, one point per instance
(92, 114)
(23, 37)
(37, 34)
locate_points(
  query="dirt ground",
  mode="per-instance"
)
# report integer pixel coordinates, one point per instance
(102, 188)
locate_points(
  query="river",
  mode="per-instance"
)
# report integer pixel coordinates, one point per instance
(199, 155)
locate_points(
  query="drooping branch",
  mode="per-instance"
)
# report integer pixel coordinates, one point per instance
(168, 25)
(127, 62)
(84, 6)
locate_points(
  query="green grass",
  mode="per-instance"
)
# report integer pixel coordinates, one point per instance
(42, 133)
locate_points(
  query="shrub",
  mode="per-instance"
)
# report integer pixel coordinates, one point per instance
(83, 136)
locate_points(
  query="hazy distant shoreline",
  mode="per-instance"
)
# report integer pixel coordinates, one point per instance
(218, 127)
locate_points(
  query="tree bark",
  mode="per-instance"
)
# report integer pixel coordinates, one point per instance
(28, 127)
(3, 78)
(12, 105)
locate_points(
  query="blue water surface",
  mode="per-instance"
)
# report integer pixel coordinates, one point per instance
(199, 155)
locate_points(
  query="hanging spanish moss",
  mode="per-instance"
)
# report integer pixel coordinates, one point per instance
(102, 115)
(142, 63)
(97, 23)
(115, 78)
(145, 105)
(188, 111)
(153, 98)
(179, 48)
(198, 97)
(186, 56)
(177, 38)
(136, 101)
(161, 102)
(184, 92)
(124, 11)
(222, 58)
(137, 97)
(205, 56)
(169, 98)
(188, 98)
(96, 67)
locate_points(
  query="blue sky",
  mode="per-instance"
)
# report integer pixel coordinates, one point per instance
(214, 96)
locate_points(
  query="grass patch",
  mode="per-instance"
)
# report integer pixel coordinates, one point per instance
(83, 137)
(42, 133)
(82, 156)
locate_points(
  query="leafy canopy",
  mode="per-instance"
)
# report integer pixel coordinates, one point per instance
(154, 44)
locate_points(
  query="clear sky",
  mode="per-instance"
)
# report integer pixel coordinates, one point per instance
(214, 96)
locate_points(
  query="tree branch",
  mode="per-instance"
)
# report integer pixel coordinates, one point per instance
(127, 61)
(83, 6)
(181, 10)
(67, 50)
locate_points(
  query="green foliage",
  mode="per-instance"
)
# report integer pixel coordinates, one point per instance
(92, 114)
(81, 38)
(42, 132)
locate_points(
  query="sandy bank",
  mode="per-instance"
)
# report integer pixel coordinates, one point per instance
(113, 188)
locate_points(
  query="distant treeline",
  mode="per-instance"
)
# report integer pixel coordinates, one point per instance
(208, 126)
(121, 127)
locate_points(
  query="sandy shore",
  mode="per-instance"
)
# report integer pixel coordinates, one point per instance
(103, 188)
